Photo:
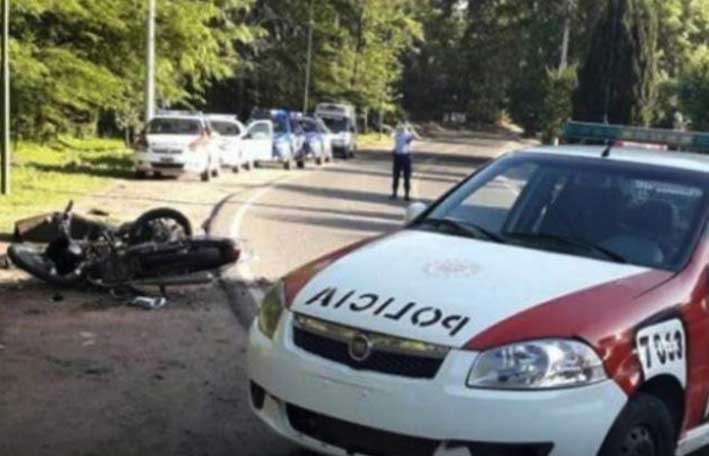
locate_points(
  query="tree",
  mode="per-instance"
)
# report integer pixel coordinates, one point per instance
(619, 80)
(82, 58)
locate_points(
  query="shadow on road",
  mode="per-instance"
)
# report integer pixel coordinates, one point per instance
(464, 161)
(342, 223)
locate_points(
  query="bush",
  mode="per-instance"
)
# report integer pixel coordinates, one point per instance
(694, 90)
(557, 107)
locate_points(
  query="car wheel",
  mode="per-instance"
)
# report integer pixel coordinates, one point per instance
(644, 428)
(206, 175)
(301, 164)
(319, 161)
(287, 165)
(248, 166)
(236, 169)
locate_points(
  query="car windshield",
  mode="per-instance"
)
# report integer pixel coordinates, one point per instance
(337, 125)
(309, 126)
(226, 128)
(610, 210)
(167, 126)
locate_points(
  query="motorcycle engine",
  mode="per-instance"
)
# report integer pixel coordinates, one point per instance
(65, 255)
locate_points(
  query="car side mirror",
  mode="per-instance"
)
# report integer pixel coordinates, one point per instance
(413, 211)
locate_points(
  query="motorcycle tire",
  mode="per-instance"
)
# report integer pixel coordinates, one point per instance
(32, 260)
(137, 233)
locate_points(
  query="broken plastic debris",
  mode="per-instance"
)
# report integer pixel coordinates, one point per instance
(148, 303)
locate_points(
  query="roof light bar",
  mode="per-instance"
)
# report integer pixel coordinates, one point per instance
(611, 134)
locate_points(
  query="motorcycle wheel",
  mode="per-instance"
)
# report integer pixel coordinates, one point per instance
(32, 260)
(146, 229)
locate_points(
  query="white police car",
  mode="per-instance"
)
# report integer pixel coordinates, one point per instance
(553, 303)
(175, 143)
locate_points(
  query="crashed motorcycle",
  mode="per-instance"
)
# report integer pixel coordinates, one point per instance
(157, 250)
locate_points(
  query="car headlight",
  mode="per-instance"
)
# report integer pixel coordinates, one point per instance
(271, 309)
(543, 364)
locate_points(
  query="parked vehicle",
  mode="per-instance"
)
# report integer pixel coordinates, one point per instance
(175, 143)
(274, 136)
(231, 133)
(156, 250)
(341, 120)
(553, 303)
(318, 140)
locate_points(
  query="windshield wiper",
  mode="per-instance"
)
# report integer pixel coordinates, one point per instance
(468, 229)
(587, 245)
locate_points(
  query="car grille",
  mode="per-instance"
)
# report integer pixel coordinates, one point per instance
(354, 438)
(358, 439)
(167, 151)
(388, 355)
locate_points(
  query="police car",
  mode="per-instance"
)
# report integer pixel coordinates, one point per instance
(553, 303)
(230, 140)
(175, 143)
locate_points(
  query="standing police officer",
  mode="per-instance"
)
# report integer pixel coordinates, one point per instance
(403, 137)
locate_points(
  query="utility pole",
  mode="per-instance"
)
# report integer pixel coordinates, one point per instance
(150, 63)
(568, 10)
(5, 104)
(308, 68)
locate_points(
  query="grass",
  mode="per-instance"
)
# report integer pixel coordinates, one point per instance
(45, 177)
(365, 140)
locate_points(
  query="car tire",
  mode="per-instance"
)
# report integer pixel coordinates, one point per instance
(319, 161)
(236, 170)
(216, 172)
(643, 427)
(301, 164)
(287, 165)
(248, 166)
(206, 176)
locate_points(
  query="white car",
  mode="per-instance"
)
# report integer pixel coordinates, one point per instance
(552, 304)
(176, 143)
(231, 134)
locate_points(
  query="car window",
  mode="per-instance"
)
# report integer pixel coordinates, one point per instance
(226, 128)
(337, 125)
(260, 130)
(490, 205)
(167, 126)
(647, 216)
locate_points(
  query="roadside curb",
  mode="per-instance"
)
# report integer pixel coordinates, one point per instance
(242, 301)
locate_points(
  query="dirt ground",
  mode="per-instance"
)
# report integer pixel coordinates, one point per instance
(83, 374)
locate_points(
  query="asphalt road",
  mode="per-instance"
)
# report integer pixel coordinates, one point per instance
(291, 218)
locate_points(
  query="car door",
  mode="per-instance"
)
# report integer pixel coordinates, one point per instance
(258, 141)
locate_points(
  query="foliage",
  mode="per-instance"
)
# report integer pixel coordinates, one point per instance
(557, 107)
(78, 65)
(75, 59)
(45, 176)
(618, 81)
(357, 46)
(693, 89)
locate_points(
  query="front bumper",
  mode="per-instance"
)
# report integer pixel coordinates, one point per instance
(442, 413)
(171, 164)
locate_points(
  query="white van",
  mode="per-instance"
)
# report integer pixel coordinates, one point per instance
(341, 119)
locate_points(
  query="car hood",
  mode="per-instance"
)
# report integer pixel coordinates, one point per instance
(171, 141)
(445, 289)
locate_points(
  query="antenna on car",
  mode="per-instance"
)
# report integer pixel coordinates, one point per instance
(607, 151)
